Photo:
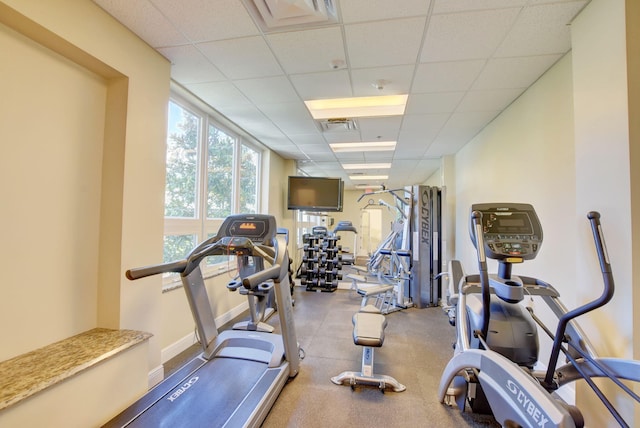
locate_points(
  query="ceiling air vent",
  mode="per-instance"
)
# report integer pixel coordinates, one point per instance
(342, 124)
(273, 15)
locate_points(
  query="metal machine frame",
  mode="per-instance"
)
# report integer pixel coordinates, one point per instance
(516, 394)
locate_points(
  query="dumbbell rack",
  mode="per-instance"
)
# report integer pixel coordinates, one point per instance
(321, 265)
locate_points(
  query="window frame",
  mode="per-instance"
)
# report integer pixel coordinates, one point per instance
(201, 225)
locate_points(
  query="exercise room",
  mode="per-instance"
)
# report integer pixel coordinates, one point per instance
(301, 213)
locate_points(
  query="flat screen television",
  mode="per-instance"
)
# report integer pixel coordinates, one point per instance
(315, 193)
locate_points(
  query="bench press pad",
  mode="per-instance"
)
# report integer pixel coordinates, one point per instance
(368, 329)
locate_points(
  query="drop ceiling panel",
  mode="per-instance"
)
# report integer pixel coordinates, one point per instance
(460, 61)
(490, 100)
(308, 51)
(269, 90)
(541, 30)
(377, 10)
(427, 124)
(447, 6)
(380, 129)
(297, 127)
(219, 94)
(466, 35)
(384, 43)
(447, 76)
(302, 140)
(394, 80)
(342, 137)
(146, 20)
(504, 73)
(314, 86)
(224, 54)
(188, 65)
(295, 110)
(205, 20)
(430, 103)
(378, 157)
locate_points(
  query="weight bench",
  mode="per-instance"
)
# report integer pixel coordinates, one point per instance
(381, 292)
(368, 331)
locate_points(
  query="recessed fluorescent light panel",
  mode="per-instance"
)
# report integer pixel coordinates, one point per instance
(368, 177)
(369, 186)
(366, 165)
(387, 105)
(375, 146)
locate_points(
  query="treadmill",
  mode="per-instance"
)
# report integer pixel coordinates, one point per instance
(239, 375)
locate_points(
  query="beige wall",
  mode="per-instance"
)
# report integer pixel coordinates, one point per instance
(605, 76)
(84, 123)
(565, 146)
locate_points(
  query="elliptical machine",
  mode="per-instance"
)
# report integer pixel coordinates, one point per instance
(497, 344)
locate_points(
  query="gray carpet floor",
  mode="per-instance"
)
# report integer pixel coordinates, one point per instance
(417, 346)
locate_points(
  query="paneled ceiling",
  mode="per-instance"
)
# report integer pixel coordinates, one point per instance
(461, 61)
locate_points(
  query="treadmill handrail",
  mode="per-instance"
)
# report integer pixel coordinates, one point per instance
(186, 266)
(142, 272)
(254, 280)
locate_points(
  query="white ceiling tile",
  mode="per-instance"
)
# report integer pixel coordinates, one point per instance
(219, 94)
(260, 81)
(380, 128)
(448, 6)
(237, 58)
(312, 149)
(295, 110)
(346, 157)
(446, 76)
(145, 20)
(464, 126)
(332, 84)
(308, 51)
(205, 20)
(490, 100)
(384, 43)
(430, 103)
(375, 10)
(378, 157)
(394, 80)
(541, 30)
(305, 139)
(269, 90)
(188, 65)
(412, 151)
(504, 73)
(426, 124)
(444, 147)
(468, 35)
(243, 116)
(295, 127)
(342, 137)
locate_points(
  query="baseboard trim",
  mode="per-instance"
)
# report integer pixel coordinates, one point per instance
(156, 376)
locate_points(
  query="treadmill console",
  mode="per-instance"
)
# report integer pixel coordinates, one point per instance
(259, 228)
(512, 232)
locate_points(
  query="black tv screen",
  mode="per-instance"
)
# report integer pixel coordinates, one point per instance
(315, 194)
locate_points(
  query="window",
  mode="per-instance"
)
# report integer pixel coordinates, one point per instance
(212, 172)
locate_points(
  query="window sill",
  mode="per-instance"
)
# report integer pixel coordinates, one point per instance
(175, 282)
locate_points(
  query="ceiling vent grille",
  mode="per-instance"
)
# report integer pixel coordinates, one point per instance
(273, 15)
(338, 125)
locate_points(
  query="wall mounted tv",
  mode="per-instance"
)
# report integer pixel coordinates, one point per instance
(315, 194)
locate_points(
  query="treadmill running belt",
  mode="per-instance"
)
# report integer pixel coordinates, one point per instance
(206, 398)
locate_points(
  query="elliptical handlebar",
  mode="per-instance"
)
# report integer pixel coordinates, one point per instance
(605, 297)
(476, 222)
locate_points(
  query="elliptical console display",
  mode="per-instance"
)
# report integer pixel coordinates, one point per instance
(512, 232)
